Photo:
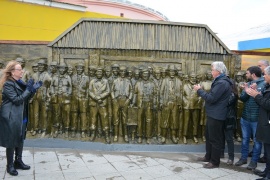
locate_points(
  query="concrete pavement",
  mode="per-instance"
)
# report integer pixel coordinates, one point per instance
(86, 163)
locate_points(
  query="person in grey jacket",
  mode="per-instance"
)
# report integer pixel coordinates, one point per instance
(216, 101)
(14, 114)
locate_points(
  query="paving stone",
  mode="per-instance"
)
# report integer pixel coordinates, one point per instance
(115, 158)
(100, 169)
(125, 165)
(111, 176)
(136, 174)
(70, 164)
(158, 171)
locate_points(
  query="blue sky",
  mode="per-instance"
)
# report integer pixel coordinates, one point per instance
(224, 17)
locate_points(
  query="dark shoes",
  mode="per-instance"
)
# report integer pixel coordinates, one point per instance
(229, 162)
(265, 178)
(262, 160)
(18, 164)
(202, 159)
(210, 166)
(252, 165)
(259, 173)
(11, 170)
(240, 162)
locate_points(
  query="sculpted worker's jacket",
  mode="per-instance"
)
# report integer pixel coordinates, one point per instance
(167, 94)
(80, 85)
(122, 87)
(144, 91)
(191, 100)
(61, 86)
(99, 90)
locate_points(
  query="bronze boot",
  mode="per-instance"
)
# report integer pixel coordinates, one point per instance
(163, 136)
(93, 135)
(174, 139)
(126, 134)
(107, 137)
(66, 132)
(115, 139)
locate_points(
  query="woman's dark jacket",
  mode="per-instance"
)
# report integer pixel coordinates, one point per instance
(216, 101)
(230, 122)
(12, 112)
(263, 127)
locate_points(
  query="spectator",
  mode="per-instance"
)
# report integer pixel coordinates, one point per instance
(263, 127)
(216, 101)
(14, 114)
(249, 118)
(230, 123)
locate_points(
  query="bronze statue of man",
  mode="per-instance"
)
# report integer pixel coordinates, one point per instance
(61, 87)
(43, 99)
(80, 85)
(206, 85)
(130, 73)
(26, 74)
(99, 91)
(180, 113)
(121, 94)
(115, 71)
(53, 113)
(108, 76)
(163, 73)
(70, 70)
(239, 80)
(170, 104)
(92, 72)
(144, 99)
(33, 101)
(191, 106)
(136, 77)
(156, 110)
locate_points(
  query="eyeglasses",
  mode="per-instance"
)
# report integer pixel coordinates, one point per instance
(18, 69)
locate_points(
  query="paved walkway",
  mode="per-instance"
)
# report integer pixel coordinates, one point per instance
(69, 163)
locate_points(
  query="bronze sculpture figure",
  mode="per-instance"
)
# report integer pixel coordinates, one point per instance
(145, 99)
(121, 94)
(61, 87)
(99, 91)
(206, 85)
(191, 106)
(80, 85)
(170, 103)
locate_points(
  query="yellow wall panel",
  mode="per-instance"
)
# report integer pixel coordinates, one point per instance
(31, 22)
(262, 50)
(252, 60)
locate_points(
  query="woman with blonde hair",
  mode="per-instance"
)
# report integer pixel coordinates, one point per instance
(14, 114)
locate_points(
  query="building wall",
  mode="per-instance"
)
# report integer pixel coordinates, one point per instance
(115, 8)
(31, 22)
(28, 52)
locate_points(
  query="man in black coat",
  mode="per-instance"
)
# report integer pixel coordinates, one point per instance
(263, 127)
(216, 101)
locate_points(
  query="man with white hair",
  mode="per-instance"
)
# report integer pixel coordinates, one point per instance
(216, 101)
(262, 64)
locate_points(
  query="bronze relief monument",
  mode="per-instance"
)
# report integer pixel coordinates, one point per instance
(127, 81)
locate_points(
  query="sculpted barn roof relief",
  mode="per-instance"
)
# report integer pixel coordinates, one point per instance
(141, 35)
